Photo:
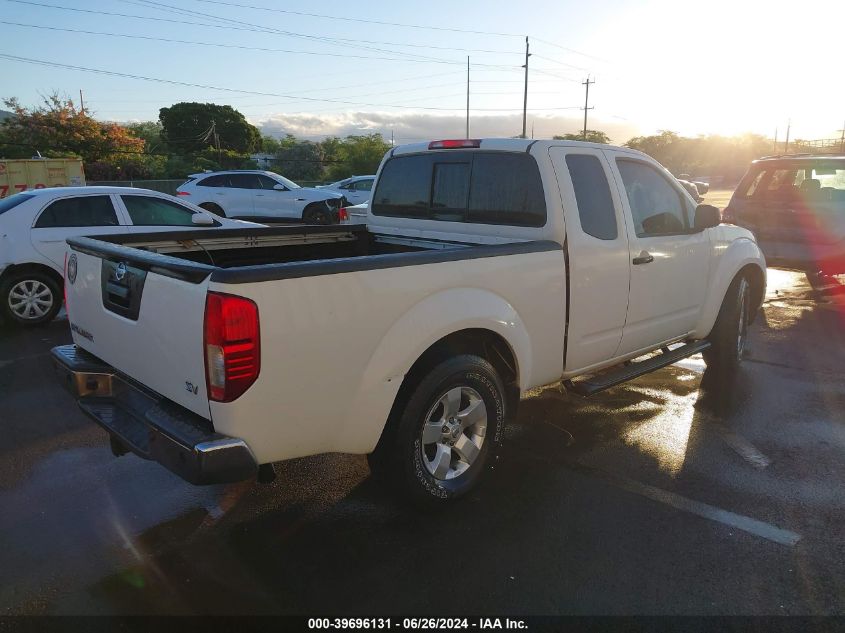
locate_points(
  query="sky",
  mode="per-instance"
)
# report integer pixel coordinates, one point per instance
(315, 69)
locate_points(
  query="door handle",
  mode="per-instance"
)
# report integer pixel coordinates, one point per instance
(643, 258)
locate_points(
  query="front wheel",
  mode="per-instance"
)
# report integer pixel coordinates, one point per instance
(316, 215)
(30, 298)
(729, 337)
(445, 434)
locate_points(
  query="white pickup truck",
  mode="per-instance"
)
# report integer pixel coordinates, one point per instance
(485, 268)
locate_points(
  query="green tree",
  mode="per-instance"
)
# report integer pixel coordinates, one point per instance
(298, 160)
(353, 156)
(150, 131)
(190, 127)
(593, 136)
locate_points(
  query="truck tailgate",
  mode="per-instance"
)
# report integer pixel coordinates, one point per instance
(147, 325)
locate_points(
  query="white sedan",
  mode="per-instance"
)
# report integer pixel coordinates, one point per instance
(35, 224)
(356, 189)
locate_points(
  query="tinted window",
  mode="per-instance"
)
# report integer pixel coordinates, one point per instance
(404, 187)
(655, 204)
(592, 192)
(503, 188)
(145, 211)
(221, 180)
(12, 201)
(449, 191)
(755, 182)
(506, 189)
(244, 181)
(79, 211)
(266, 182)
(362, 185)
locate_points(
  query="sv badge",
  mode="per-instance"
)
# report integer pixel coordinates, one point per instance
(191, 387)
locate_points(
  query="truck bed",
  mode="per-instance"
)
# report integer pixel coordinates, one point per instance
(263, 254)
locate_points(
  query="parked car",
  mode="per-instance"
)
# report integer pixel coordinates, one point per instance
(795, 206)
(354, 215)
(356, 189)
(486, 268)
(35, 224)
(701, 186)
(692, 189)
(260, 195)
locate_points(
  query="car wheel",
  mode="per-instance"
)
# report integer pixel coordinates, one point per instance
(729, 337)
(316, 215)
(213, 208)
(30, 298)
(445, 433)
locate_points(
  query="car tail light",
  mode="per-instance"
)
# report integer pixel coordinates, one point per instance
(342, 215)
(455, 143)
(232, 344)
(182, 193)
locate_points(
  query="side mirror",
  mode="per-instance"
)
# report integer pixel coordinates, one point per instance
(707, 216)
(280, 187)
(201, 219)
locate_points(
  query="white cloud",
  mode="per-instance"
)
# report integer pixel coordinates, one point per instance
(410, 127)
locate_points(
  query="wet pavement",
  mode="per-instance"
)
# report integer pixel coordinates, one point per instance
(667, 495)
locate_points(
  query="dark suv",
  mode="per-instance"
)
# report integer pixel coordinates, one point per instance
(795, 206)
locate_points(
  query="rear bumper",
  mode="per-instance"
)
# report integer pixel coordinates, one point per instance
(150, 426)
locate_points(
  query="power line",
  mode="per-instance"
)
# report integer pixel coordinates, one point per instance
(112, 73)
(252, 28)
(362, 20)
(572, 50)
(554, 61)
(199, 43)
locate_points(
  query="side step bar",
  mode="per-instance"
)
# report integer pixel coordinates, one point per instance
(600, 382)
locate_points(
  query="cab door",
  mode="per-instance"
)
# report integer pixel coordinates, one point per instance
(597, 248)
(73, 216)
(670, 261)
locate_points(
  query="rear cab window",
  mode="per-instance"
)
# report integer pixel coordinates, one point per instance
(475, 187)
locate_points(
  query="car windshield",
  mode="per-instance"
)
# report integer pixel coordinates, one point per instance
(11, 202)
(290, 184)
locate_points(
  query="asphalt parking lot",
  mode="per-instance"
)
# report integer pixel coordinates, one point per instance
(667, 495)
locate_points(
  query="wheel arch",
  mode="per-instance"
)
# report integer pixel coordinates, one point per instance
(743, 257)
(34, 267)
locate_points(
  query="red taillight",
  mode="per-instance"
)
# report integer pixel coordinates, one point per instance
(342, 215)
(455, 143)
(232, 345)
(182, 193)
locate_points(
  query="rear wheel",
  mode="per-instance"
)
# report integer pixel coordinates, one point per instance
(439, 445)
(213, 208)
(30, 298)
(729, 337)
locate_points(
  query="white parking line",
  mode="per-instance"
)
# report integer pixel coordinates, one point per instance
(704, 510)
(744, 448)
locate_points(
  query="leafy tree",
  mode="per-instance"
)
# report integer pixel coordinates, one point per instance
(593, 136)
(722, 158)
(190, 127)
(56, 128)
(150, 131)
(356, 155)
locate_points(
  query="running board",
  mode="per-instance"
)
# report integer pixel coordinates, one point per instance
(600, 382)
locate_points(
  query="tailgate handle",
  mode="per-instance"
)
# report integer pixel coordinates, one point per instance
(120, 291)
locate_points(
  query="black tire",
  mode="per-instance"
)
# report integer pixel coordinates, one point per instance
(41, 287)
(213, 208)
(437, 471)
(316, 214)
(729, 337)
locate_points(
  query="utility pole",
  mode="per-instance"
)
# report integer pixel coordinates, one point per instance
(467, 136)
(842, 139)
(81, 102)
(775, 143)
(525, 98)
(391, 138)
(586, 102)
(786, 145)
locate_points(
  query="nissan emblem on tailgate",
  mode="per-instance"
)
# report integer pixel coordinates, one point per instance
(120, 271)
